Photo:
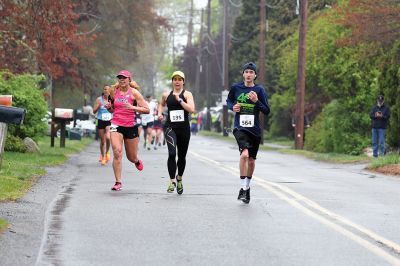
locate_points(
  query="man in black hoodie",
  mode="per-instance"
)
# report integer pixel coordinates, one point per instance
(380, 115)
(247, 100)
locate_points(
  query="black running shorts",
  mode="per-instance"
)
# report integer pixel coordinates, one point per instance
(246, 140)
(127, 132)
(101, 124)
(148, 125)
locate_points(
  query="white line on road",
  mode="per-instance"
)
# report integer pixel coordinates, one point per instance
(279, 191)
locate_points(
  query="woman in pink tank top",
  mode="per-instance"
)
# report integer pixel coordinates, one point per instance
(125, 101)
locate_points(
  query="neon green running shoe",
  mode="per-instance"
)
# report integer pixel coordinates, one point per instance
(171, 187)
(179, 187)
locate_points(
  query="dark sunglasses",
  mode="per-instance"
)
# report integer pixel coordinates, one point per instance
(122, 77)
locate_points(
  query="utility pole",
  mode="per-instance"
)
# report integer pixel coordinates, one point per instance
(190, 26)
(208, 122)
(300, 85)
(225, 61)
(225, 47)
(198, 57)
(173, 45)
(261, 60)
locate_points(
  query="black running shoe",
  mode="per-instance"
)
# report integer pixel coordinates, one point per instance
(241, 195)
(247, 196)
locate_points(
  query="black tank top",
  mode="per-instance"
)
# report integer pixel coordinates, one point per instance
(177, 116)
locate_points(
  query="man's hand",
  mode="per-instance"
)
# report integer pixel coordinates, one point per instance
(236, 108)
(253, 96)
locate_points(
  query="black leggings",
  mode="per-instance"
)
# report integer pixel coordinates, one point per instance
(177, 138)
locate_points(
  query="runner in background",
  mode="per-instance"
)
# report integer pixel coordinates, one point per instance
(138, 124)
(177, 132)
(124, 102)
(194, 123)
(103, 124)
(148, 121)
(157, 129)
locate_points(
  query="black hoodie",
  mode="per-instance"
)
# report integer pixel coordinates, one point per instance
(382, 121)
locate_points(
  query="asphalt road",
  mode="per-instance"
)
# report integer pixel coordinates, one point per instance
(302, 212)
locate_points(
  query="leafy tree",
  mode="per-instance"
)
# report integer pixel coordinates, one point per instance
(345, 80)
(28, 95)
(370, 21)
(40, 36)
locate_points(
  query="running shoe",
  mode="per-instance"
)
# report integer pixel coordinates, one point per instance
(247, 196)
(117, 186)
(108, 156)
(179, 187)
(101, 158)
(242, 194)
(139, 165)
(103, 162)
(171, 187)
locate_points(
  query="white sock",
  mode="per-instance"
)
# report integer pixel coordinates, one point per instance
(243, 182)
(247, 183)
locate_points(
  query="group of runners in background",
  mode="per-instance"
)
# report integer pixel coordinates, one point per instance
(123, 114)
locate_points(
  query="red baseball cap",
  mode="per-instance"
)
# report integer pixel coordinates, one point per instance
(124, 73)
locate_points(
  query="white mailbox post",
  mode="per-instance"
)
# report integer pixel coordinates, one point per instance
(60, 117)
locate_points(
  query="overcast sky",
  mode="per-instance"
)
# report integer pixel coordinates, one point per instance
(200, 3)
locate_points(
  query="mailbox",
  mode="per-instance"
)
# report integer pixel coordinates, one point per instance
(8, 115)
(63, 113)
(12, 115)
(60, 117)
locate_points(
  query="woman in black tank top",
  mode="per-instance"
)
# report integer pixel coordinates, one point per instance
(177, 128)
(179, 117)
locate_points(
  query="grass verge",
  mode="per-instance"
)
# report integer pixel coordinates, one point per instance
(3, 225)
(19, 171)
(329, 157)
(216, 135)
(281, 145)
(389, 159)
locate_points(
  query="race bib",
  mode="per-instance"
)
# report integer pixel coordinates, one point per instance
(177, 116)
(113, 128)
(106, 116)
(247, 120)
(147, 119)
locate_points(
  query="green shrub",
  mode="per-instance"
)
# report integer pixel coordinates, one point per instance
(281, 117)
(338, 129)
(26, 94)
(14, 143)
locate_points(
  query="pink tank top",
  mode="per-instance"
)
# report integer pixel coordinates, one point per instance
(123, 117)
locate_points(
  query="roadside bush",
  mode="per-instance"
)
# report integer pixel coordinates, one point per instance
(14, 143)
(281, 117)
(26, 94)
(338, 129)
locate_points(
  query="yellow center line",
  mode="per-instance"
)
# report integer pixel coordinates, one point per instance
(279, 191)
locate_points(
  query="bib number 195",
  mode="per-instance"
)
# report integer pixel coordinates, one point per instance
(177, 116)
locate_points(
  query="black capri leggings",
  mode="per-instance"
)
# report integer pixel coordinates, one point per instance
(177, 138)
